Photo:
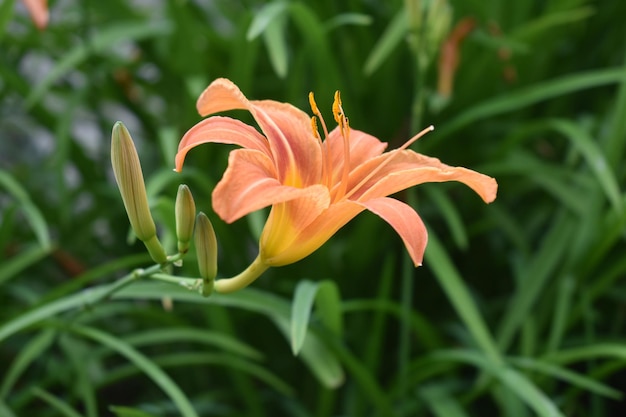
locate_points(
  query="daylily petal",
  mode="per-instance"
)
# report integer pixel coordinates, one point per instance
(38, 10)
(250, 184)
(407, 168)
(363, 147)
(220, 129)
(405, 221)
(282, 240)
(287, 128)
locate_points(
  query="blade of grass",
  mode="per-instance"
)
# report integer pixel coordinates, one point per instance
(390, 39)
(56, 403)
(594, 157)
(525, 97)
(33, 215)
(564, 374)
(28, 354)
(440, 402)
(27, 257)
(514, 381)
(148, 367)
(186, 335)
(458, 294)
(264, 17)
(535, 277)
(329, 307)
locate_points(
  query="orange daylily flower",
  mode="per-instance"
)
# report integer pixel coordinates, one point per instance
(313, 186)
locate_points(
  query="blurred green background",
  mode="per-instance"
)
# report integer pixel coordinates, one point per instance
(519, 309)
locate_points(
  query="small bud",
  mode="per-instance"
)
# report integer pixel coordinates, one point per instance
(185, 213)
(129, 177)
(206, 251)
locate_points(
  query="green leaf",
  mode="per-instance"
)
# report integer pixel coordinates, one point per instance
(393, 35)
(275, 39)
(28, 353)
(99, 43)
(6, 14)
(344, 19)
(568, 376)
(534, 278)
(129, 412)
(55, 402)
(514, 381)
(264, 17)
(155, 373)
(328, 304)
(440, 402)
(33, 215)
(526, 96)
(440, 263)
(25, 258)
(595, 158)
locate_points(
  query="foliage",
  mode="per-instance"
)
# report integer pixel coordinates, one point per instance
(517, 311)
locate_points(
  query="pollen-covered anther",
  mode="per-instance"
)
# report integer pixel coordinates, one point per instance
(316, 132)
(337, 109)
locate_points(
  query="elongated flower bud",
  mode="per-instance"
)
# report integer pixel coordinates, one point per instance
(129, 177)
(185, 212)
(206, 251)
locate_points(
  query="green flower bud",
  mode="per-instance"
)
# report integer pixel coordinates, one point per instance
(129, 177)
(185, 213)
(206, 251)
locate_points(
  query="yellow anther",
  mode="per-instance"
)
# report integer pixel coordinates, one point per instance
(337, 109)
(316, 132)
(313, 104)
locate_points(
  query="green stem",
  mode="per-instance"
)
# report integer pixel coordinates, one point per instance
(247, 277)
(133, 276)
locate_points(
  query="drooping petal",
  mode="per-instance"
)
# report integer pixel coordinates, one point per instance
(250, 184)
(292, 233)
(405, 221)
(287, 128)
(220, 129)
(363, 147)
(399, 170)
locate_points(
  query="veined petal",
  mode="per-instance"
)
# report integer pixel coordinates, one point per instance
(250, 184)
(363, 147)
(282, 120)
(220, 129)
(282, 244)
(407, 168)
(287, 128)
(405, 221)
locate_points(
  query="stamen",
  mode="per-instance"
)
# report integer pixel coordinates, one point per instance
(344, 128)
(316, 132)
(326, 168)
(337, 109)
(392, 154)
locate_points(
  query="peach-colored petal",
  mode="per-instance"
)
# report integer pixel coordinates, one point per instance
(363, 147)
(250, 184)
(38, 10)
(405, 221)
(407, 169)
(282, 246)
(219, 129)
(287, 128)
